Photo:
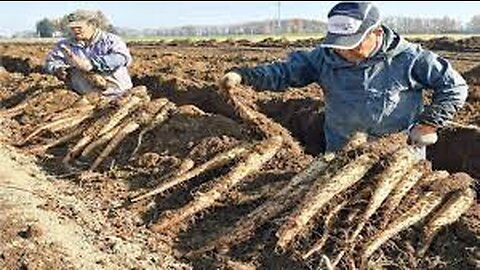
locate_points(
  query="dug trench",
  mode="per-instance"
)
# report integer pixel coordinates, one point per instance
(205, 126)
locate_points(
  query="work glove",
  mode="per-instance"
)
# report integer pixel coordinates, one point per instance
(230, 80)
(423, 135)
(97, 81)
(81, 63)
(61, 73)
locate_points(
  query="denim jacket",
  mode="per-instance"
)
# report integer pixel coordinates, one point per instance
(380, 95)
(109, 56)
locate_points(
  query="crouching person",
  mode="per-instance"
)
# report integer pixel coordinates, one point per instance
(91, 60)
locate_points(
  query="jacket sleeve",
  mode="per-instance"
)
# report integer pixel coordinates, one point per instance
(118, 55)
(449, 88)
(296, 71)
(55, 59)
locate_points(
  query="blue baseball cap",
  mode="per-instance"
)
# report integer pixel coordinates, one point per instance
(349, 23)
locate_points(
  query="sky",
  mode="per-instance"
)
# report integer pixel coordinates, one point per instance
(18, 16)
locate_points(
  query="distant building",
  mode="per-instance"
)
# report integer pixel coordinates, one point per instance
(57, 34)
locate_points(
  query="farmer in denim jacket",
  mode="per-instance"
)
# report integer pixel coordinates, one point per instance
(91, 60)
(372, 78)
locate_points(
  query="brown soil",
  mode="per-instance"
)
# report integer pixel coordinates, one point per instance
(92, 209)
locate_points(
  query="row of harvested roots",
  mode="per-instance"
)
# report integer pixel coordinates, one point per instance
(347, 205)
(355, 201)
(97, 125)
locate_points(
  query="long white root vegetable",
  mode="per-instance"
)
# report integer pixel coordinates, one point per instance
(217, 161)
(133, 103)
(400, 190)
(265, 124)
(253, 161)
(102, 140)
(246, 226)
(126, 129)
(424, 206)
(40, 149)
(57, 125)
(324, 190)
(400, 163)
(450, 211)
(77, 148)
(326, 230)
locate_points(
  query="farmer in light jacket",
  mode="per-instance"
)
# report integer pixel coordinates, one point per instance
(372, 78)
(90, 60)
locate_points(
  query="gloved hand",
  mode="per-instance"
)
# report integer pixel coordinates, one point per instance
(79, 62)
(230, 80)
(97, 81)
(61, 73)
(423, 135)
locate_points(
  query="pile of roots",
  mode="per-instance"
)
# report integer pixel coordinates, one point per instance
(96, 125)
(348, 205)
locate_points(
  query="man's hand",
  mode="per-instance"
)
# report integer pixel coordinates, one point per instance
(423, 135)
(81, 63)
(230, 80)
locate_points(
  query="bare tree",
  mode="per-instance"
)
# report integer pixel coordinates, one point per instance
(473, 25)
(408, 25)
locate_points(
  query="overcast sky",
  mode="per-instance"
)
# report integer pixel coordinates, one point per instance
(18, 16)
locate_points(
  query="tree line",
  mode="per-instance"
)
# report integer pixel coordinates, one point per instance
(404, 25)
(58, 26)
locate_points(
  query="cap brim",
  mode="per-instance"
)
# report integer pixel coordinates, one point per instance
(347, 42)
(344, 42)
(77, 24)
